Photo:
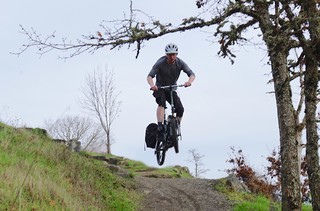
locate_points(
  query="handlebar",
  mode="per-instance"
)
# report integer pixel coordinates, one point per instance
(170, 86)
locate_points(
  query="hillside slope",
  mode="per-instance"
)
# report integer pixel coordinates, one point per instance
(38, 174)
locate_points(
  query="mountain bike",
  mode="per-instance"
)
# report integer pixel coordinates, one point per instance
(171, 133)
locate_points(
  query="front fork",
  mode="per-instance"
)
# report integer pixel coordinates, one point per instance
(177, 125)
(179, 131)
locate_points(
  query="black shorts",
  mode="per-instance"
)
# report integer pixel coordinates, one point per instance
(163, 96)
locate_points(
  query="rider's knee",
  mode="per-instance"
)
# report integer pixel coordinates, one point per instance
(180, 112)
(161, 102)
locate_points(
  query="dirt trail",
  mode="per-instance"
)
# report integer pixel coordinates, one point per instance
(180, 195)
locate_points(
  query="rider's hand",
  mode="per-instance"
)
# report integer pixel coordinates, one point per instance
(154, 88)
(186, 84)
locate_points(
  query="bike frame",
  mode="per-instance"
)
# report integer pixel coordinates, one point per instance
(172, 129)
(171, 89)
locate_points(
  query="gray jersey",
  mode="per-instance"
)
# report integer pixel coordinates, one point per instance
(168, 74)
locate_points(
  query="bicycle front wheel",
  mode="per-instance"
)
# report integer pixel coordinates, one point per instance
(160, 152)
(174, 134)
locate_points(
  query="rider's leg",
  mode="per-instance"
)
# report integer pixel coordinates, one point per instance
(161, 101)
(179, 119)
(160, 118)
(179, 110)
(160, 115)
(179, 107)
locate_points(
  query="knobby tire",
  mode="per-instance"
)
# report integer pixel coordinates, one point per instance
(160, 152)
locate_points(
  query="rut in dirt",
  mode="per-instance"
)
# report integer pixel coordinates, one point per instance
(180, 195)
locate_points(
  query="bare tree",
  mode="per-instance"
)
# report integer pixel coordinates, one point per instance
(76, 128)
(100, 98)
(196, 160)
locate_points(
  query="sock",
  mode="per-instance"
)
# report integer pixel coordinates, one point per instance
(160, 126)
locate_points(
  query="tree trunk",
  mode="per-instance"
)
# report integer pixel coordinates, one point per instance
(300, 147)
(290, 175)
(108, 143)
(311, 85)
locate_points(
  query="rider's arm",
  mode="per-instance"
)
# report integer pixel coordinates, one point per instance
(191, 79)
(151, 83)
(153, 72)
(188, 71)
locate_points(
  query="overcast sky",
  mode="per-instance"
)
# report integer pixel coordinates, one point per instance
(227, 105)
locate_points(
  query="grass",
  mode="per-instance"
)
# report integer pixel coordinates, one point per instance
(139, 168)
(258, 203)
(38, 174)
(243, 201)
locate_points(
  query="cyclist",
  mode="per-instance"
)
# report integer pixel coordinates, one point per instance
(167, 71)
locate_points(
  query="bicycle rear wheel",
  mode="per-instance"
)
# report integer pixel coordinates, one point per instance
(160, 152)
(174, 134)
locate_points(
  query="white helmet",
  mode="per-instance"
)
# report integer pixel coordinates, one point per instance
(171, 48)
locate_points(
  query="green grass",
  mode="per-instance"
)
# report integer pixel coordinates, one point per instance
(250, 202)
(38, 174)
(261, 203)
(258, 203)
(139, 168)
(174, 171)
